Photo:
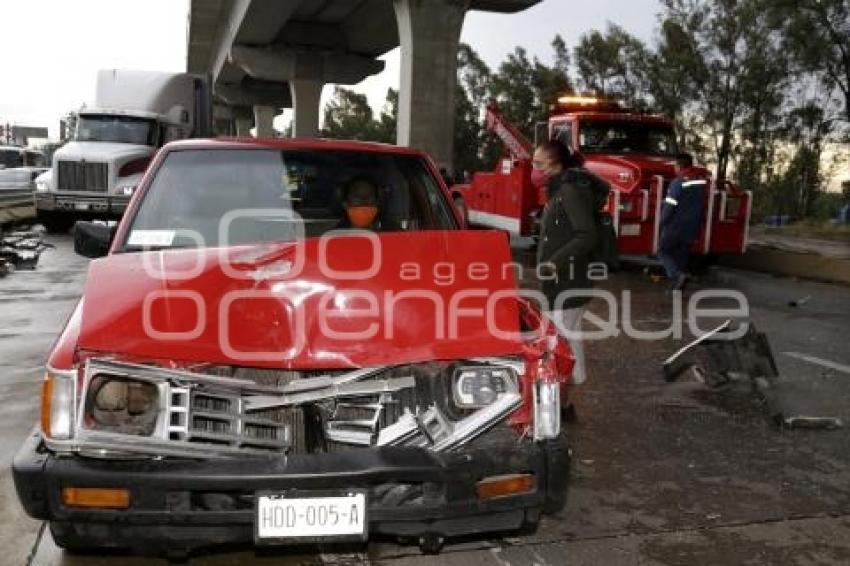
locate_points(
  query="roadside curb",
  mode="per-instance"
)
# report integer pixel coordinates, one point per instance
(792, 264)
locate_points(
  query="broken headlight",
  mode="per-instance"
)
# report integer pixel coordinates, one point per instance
(480, 386)
(126, 406)
(58, 396)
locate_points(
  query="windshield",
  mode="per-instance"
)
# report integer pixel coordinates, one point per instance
(257, 195)
(11, 158)
(119, 129)
(627, 137)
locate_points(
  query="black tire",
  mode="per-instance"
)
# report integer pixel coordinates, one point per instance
(56, 224)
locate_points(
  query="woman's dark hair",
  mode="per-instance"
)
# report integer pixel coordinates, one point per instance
(558, 151)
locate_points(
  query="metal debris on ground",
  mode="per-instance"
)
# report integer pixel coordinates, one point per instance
(800, 302)
(20, 250)
(717, 359)
(802, 421)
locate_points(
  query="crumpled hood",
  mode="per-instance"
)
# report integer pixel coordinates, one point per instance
(102, 151)
(425, 297)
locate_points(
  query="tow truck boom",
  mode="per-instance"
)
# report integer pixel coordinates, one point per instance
(516, 143)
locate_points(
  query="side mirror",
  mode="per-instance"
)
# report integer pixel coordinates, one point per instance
(93, 240)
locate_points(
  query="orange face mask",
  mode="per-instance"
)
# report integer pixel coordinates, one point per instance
(362, 216)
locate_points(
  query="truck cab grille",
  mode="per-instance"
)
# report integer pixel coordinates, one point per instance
(82, 176)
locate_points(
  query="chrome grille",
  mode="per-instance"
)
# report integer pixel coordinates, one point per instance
(83, 176)
(216, 414)
(220, 418)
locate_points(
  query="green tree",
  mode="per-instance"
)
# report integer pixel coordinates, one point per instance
(764, 96)
(552, 82)
(513, 89)
(473, 75)
(737, 71)
(469, 138)
(385, 128)
(614, 63)
(474, 149)
(527, 89)
(808, 129)
(349, 116)
(817, 40)
(670, 73)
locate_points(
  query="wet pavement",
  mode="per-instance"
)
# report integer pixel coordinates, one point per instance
(663, 473)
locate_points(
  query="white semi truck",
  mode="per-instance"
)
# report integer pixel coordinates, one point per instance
(135, 112)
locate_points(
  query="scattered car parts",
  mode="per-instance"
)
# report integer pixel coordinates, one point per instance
(21, 250)
(719, 361)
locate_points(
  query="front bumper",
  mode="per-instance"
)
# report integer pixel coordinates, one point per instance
(82, 204)
(413, 492)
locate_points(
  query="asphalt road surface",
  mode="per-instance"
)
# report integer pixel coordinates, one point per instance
(663, 473)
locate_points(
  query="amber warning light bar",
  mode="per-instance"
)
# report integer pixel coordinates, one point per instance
(580, 100)
(586, 102)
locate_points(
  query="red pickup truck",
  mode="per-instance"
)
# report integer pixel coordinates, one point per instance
(244, 366)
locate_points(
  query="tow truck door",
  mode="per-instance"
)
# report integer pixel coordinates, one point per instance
(729, 227)
(726, 220)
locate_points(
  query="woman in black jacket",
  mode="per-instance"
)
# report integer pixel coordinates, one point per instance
(569, 237)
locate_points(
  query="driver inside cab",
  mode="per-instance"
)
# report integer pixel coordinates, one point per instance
(360, 201)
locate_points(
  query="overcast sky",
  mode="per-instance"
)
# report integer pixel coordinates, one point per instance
(53, 48)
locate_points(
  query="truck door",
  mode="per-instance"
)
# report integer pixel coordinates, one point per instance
(728, 229)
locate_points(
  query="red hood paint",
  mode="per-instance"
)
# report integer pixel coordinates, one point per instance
(266, 298)
(638, 168)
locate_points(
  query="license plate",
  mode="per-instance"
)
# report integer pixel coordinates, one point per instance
(81, 205)
(297, 517)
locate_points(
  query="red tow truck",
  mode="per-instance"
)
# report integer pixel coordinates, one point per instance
(633, 151)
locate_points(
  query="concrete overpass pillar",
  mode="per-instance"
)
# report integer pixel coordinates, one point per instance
(429, 32)
(263, 119)
(306, 95)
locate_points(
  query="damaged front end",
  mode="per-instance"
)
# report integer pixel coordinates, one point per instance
(133, 409)
(436, 434)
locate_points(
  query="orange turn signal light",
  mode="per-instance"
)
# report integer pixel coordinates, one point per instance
(502, 486)
(96, 497)
(46, 399)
